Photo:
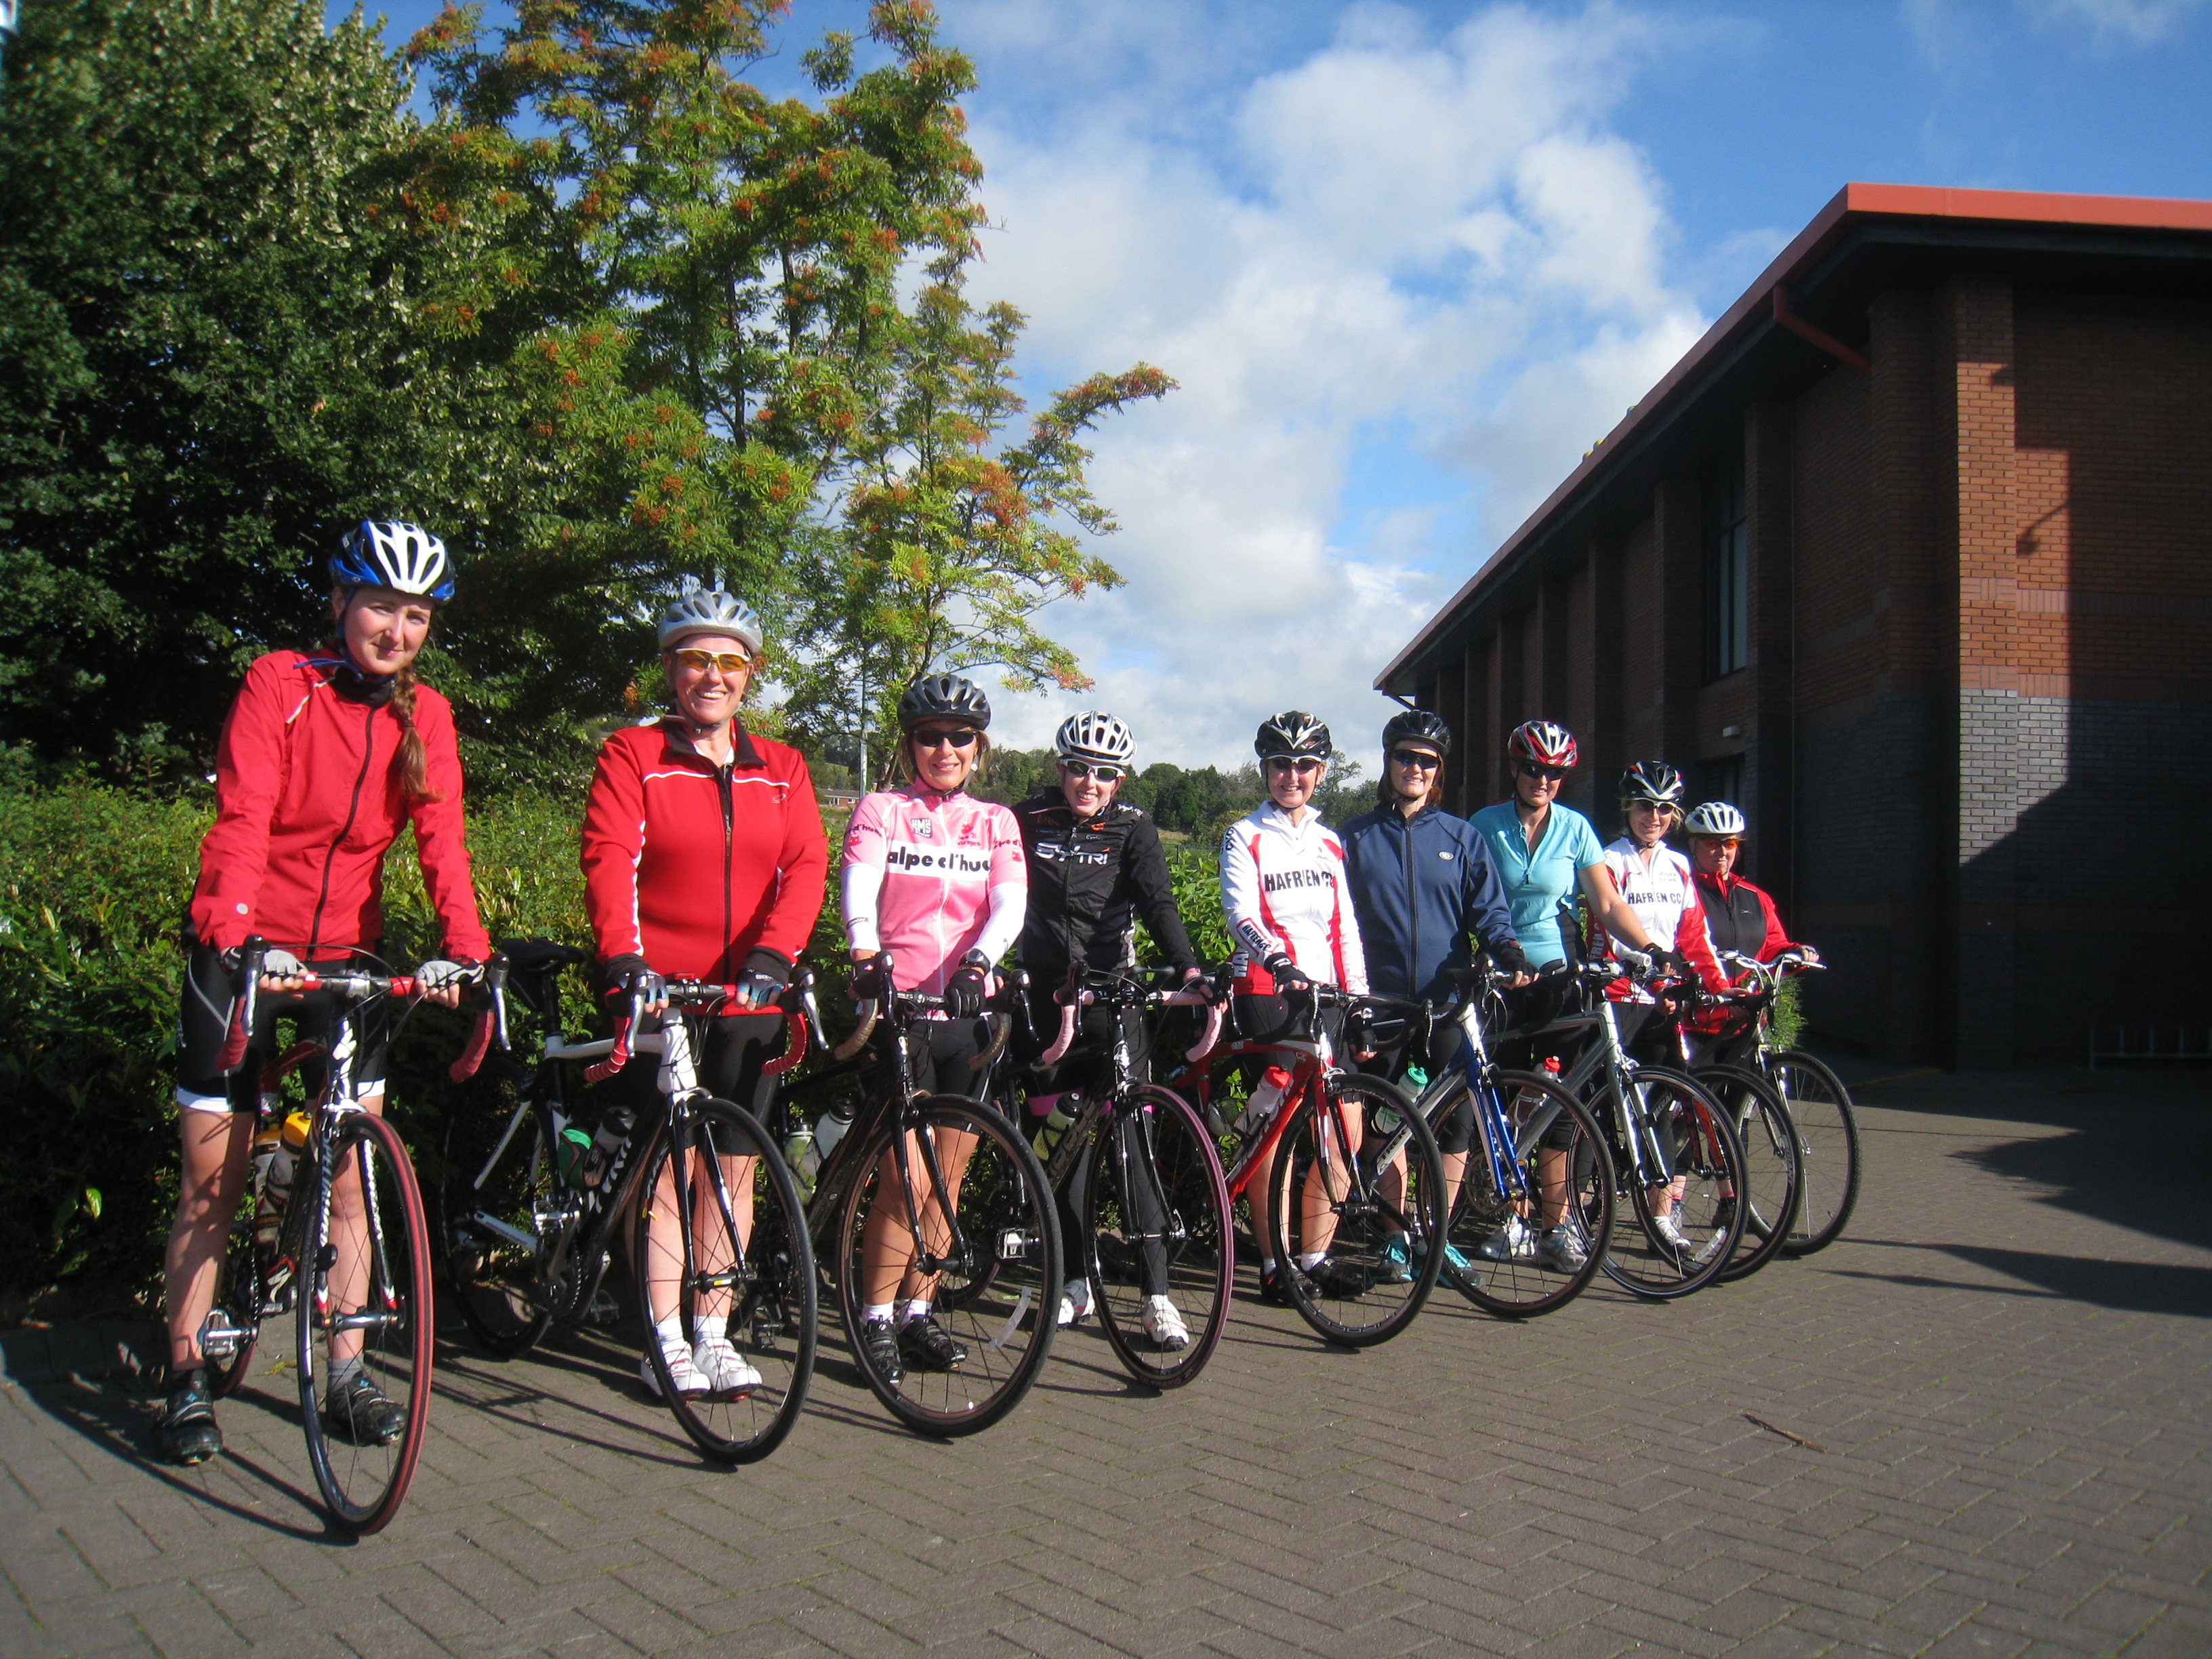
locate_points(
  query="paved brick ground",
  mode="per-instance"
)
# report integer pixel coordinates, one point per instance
(2002, 1369)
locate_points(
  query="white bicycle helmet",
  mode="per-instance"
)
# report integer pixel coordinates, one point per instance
(1718, 819)
(404, 557)
(1094, 735)
(709, 611)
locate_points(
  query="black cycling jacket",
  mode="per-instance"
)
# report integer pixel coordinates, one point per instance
(1089, 879)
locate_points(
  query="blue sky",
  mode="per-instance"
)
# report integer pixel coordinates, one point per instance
(1407, 260)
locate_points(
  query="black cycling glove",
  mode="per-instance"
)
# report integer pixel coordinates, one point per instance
(623, 976)
(1510, 956)
(762, 982)
(964, 992)
(870, 981)
(1286, 972)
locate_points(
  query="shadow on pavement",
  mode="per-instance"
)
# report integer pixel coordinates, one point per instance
(2125, 1286)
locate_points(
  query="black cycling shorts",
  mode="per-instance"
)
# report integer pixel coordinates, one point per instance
(1089, 1060)
(203, 1027)
(728, 1051)
(939, 1052)
(1456, 1133)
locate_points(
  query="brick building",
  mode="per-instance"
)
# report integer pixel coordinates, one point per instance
(1912, 558)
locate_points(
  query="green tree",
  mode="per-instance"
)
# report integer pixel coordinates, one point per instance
(203, 368)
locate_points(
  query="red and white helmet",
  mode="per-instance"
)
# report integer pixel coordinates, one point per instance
(1544, 742)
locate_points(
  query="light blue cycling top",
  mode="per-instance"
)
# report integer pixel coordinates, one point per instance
(1535, 882)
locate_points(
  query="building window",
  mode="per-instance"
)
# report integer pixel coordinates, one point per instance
(1728, 577)
(1720, 779)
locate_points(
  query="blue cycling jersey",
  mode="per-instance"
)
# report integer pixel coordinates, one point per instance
(1535, 882)
(1420, 886)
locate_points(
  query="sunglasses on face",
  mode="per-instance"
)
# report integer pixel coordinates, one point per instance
(1718, 843)
(1300, 764)
(1416, 760)
(730, 662)
(1665, 809)
(1102, 772)
(941, 738)
(1542, 773)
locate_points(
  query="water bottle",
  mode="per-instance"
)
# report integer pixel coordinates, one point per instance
(285, 1144)
(614, 1129)
(829, 1129)
(572, 1151)
(1056, 1122)
(1265, 1101)
(798, 1157)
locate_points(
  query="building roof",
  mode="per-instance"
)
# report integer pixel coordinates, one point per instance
(1806, 314)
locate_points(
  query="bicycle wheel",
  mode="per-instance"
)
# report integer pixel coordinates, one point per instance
(1326, 1194)
(1828, 1143)
(725, 1261)
(1681, 1121)
(992, 1279)
(1771, 1164)
(365, 1322)
(491, 1238)
(233, 1323)
(1533, 1248)
(1156, 1225)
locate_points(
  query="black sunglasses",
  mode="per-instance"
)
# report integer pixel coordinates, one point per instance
(1530, 769)
(1424, 759)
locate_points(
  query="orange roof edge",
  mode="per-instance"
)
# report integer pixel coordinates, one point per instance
(1893, 201)
(2031, 206)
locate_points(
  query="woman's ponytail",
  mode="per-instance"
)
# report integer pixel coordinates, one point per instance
(412, 764)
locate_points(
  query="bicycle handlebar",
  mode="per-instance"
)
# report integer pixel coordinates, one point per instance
(1182, 997)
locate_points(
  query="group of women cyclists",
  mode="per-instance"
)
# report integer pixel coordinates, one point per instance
(704, 858)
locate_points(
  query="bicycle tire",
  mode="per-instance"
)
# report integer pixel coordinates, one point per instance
(1828, 1141)
(1773, 1168)
(496, 1283)
(364, 1485)
(1510, 1274)
(1641, 1260)
(1000, 1307)
(1197, 1251)
(237, 1298)
(1355, 1270)
(772, 1318)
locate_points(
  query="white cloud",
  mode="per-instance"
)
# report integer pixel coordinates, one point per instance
(1394, 254)
(2138, 22)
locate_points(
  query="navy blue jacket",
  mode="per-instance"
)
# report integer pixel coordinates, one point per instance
(1419, 886)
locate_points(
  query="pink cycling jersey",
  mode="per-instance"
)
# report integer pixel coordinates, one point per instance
(929, 877)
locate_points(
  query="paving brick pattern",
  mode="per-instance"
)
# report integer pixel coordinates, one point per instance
(2002, 1370)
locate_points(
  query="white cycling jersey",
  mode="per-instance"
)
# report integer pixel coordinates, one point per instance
(1284, 890)
(1664, 895)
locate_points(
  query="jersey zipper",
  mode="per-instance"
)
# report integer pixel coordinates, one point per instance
(1412, 903)
(353, 809)
(729, 839)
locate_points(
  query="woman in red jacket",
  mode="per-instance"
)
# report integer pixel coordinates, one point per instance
(703, 858)
(325, 758)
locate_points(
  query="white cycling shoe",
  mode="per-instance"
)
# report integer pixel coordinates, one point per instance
(1164, 1324)
(1670, 1231)
(1513, 1242)
(713, 1367)
(1074, 1302)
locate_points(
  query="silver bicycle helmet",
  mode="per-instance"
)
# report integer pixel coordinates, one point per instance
(1094, 735)
(1718, 819)
(404, 557)
(709, 611)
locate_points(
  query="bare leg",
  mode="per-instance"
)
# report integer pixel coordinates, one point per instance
(708, 1239)
(217, 1155)
(349, 1234)
(1329, 1187)
(887, 1272)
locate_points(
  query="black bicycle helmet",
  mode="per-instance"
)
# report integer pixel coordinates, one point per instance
(1293, 731)
(1417, 725)
(1652, 781)
(945, 696)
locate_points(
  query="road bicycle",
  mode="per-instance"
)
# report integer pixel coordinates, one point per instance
(1669, 1136)
(1376, 1220)
(1532, 1216)
(945, 1179)
(350, 1256)
(1135, 1164)
(719, 1247)
(1819, 1105)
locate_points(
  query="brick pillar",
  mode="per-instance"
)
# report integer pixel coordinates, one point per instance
(1678, 530)
(1550, 672)
(1474, 756)
(1602, 743)
(1506, 691)
(1768, 764)
(1977, 318)
(1450, 702)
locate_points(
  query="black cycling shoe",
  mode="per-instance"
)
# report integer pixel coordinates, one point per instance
(1275, 1284)
(1340, 1280)
(879, 1347)
(188, 1434)
(358, 1413)
(928, 1347)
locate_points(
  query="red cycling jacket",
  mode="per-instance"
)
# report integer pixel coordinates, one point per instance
(307, 805)
(1742, 918)
(694, 865)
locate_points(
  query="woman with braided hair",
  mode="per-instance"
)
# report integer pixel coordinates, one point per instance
(325, 758)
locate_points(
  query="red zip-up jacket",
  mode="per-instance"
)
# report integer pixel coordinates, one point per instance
(1742, 917)
(694, 865)
(307, 805)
